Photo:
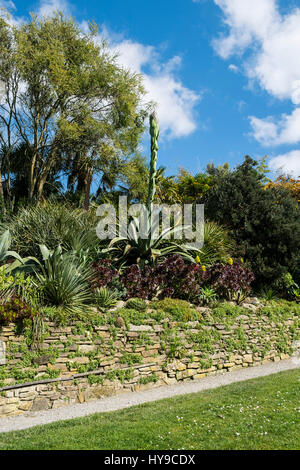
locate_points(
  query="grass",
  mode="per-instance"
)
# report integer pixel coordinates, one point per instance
(256, 414)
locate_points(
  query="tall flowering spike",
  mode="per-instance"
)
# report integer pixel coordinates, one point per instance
(154, 132)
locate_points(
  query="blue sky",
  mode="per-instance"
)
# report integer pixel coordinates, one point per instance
(224, 73)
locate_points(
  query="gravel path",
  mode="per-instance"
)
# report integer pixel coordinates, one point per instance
(127, 400)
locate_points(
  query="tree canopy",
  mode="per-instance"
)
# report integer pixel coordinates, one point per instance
(66, 100)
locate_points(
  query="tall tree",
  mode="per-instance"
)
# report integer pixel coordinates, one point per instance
(73, 101)
(264, 223)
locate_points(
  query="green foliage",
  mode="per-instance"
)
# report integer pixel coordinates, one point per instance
(191, 188)
(137, 304)
(228, 310)
(280, 310)
(105, 298)
(207, 296)
(134, 249)
(130, 359)
(287, 288)
(177, 310)
(217, 246)
(173, 344)
(6, 254)
(134, 173)
(85, 109)
(15, 310)
(64, 280)
(147, 379)
(265, 223)
(52, 223)
(38, 330)
(131, 316)
(20, 285)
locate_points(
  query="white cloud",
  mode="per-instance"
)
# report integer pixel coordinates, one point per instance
(175, 102)
(7, 11)
(288, 163)
(274, 40)
(233, 68)
(285, 131)
(50, 7)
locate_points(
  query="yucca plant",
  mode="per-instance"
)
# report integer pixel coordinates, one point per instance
(105, 298)
(64, 280)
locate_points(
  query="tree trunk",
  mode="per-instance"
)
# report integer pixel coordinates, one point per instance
(2, 195)
(87, 191)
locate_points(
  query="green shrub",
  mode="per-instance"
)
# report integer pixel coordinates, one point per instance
(137, 304)
(64, 281)
(264, 223)
(53, 224)
(105, 298)
(207, 296)
(132, 316)
(177, 310)
(227, 310)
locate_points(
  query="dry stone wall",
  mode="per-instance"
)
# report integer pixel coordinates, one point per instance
(79, 362)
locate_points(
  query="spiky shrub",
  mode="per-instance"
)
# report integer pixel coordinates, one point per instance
(105, 298)
(64, 281)
(207, 296)
(53, 224)
(217, 245)
(137, 304)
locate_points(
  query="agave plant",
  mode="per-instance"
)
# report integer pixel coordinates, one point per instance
(105, 298)
(25, 264)
(64, 280)
(135, 249)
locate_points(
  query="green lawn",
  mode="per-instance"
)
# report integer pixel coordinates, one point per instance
(257, 414)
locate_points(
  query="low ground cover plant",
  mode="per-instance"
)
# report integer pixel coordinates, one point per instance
(255, 419)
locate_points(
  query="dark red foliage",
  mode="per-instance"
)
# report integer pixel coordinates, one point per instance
(104, 273)
(142, 283)
(227, 279)
(171, 278)
(179, 279)
(14, 310)
(175, 278)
